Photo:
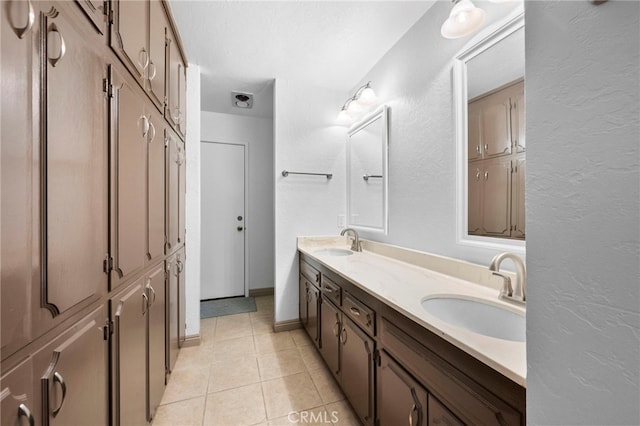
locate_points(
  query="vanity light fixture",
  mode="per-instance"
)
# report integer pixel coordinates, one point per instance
(463, 20)
(353, 106)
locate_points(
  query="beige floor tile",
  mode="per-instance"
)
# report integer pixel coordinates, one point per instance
(207, 331)
(233, 326)
(186, 383)
(313, 417)
(233, 348)
(185, 413)
(262, 324)
(200, 355)
(233, 373)
(239, 406)
(291, 393)
(279, 364)
(326, 385)
(343, 413)
(274, 342)
(311, 357)
(301, 337)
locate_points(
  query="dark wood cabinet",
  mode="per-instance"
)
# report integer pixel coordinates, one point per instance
(156, 365)
(70, 395)
(440, 416)
(330, 327)
(313, 301)
(357, 369)
(400, 398)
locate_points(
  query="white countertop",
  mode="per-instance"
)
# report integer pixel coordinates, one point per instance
(403, 286)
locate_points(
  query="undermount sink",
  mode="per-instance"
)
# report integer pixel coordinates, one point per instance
(334, 252)
(478, 317)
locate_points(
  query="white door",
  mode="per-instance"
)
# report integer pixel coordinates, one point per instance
(222, 208)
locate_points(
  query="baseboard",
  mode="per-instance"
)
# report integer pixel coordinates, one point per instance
(287, 325)
(257, 292)
(192, 340)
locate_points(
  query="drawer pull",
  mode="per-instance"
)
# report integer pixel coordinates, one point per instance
(343, 336)
(57, 377)
(354, 311)
(413, 409)
(328, 290)
(61, 49)
(317, 278)
(23, 411)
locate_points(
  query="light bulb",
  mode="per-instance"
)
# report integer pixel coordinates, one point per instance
(367, 97)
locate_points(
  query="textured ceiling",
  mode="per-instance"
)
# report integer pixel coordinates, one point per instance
(243, 45)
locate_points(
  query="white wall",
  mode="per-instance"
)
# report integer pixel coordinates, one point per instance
(583, 178)
(192, 149)
(257, 133)
(306, 140)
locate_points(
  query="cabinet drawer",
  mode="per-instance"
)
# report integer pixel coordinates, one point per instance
(359, 312)
(310, 272)
(331, 290)
(472, 403)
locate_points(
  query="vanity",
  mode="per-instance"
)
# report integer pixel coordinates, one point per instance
(371, 316)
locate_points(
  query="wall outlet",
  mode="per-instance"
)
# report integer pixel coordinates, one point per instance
(341, 221)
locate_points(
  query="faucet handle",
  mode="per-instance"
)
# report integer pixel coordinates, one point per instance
(507, 289)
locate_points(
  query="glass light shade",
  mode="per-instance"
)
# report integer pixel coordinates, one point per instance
(354, 108)
(344, 117)
(367, 97)
(464, 19)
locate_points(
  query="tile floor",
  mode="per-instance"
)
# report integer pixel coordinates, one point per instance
(243, 373)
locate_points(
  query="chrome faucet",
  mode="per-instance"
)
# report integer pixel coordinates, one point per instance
(507, 292)
(355, 245)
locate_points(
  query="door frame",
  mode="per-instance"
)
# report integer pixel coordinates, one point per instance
(246, 202)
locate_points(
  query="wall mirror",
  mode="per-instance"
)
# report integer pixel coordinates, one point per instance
(367, 172)
(491, 140)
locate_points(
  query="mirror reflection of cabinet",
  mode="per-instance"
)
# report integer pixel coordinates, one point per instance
(367, 172)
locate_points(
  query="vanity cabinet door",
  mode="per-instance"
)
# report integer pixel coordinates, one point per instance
(496, 200)
(330, 319)
(517, 198)
(356, 369)
(400, 398)
(474, 136)
(155, 290)
(302, 301)
(313, 302)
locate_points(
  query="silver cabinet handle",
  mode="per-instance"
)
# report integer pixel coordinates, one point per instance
(478, 149)
(53, 29)
(486, 175)
(153, 293)
(343, 336)
(145, 303)
(143, 58)
(336, 329)
(145, 125)
(23, 411)
(57, 378)
(153, 131)
(21, 31)
(477, 174)
(354, 311)
(152, 70)
(486, 147)
(413, 409)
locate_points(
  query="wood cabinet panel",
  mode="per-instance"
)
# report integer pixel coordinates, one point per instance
(158, 25)
(302, 301)
(474, 193)
(474, 129)
(400, 398)
(172, 194)
(330, 326)
(182, 192)
(129, 31)
(518, 124)
(70, 395)
(74, 165)
(313, 301)
(182, 300)
(496, 198)
(356, 373)
(156, 190)
(96, 12)
(182, 96)
(175, 67)
(518, 219)
(19, 398)
(173, 347)
(156, 365)
(496, 128)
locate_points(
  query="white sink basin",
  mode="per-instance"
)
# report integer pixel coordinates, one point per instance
(478, 317)
(334, 252)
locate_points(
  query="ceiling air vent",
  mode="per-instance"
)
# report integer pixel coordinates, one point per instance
(242, 100)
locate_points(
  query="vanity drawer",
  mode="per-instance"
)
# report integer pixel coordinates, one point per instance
(331, 290)
(364, 316)
(311, 273)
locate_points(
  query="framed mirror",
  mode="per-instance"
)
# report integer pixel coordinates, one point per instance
(489, 85)
(367, 172)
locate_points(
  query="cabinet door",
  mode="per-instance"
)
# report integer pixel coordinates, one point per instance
(171, 266)
(302, 303)
(155, 183)
(129, 35)
(129, 354)
(313, 298)
(172, 112)
(74, 166)
(182, 96)
(182, 301)
(182, 190)
(330, 335)
(517, 198)
(356, 369)
(156, 332)
(130, 128)
(19, 29)
(474, 198)
(496, 197)
(439, 415)
(518, 124)
(401, 399)
(157, 52)
(18, 402)
(96, 12)
(172, 189)
(70, 394)
(496, 128)
(474, 139)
